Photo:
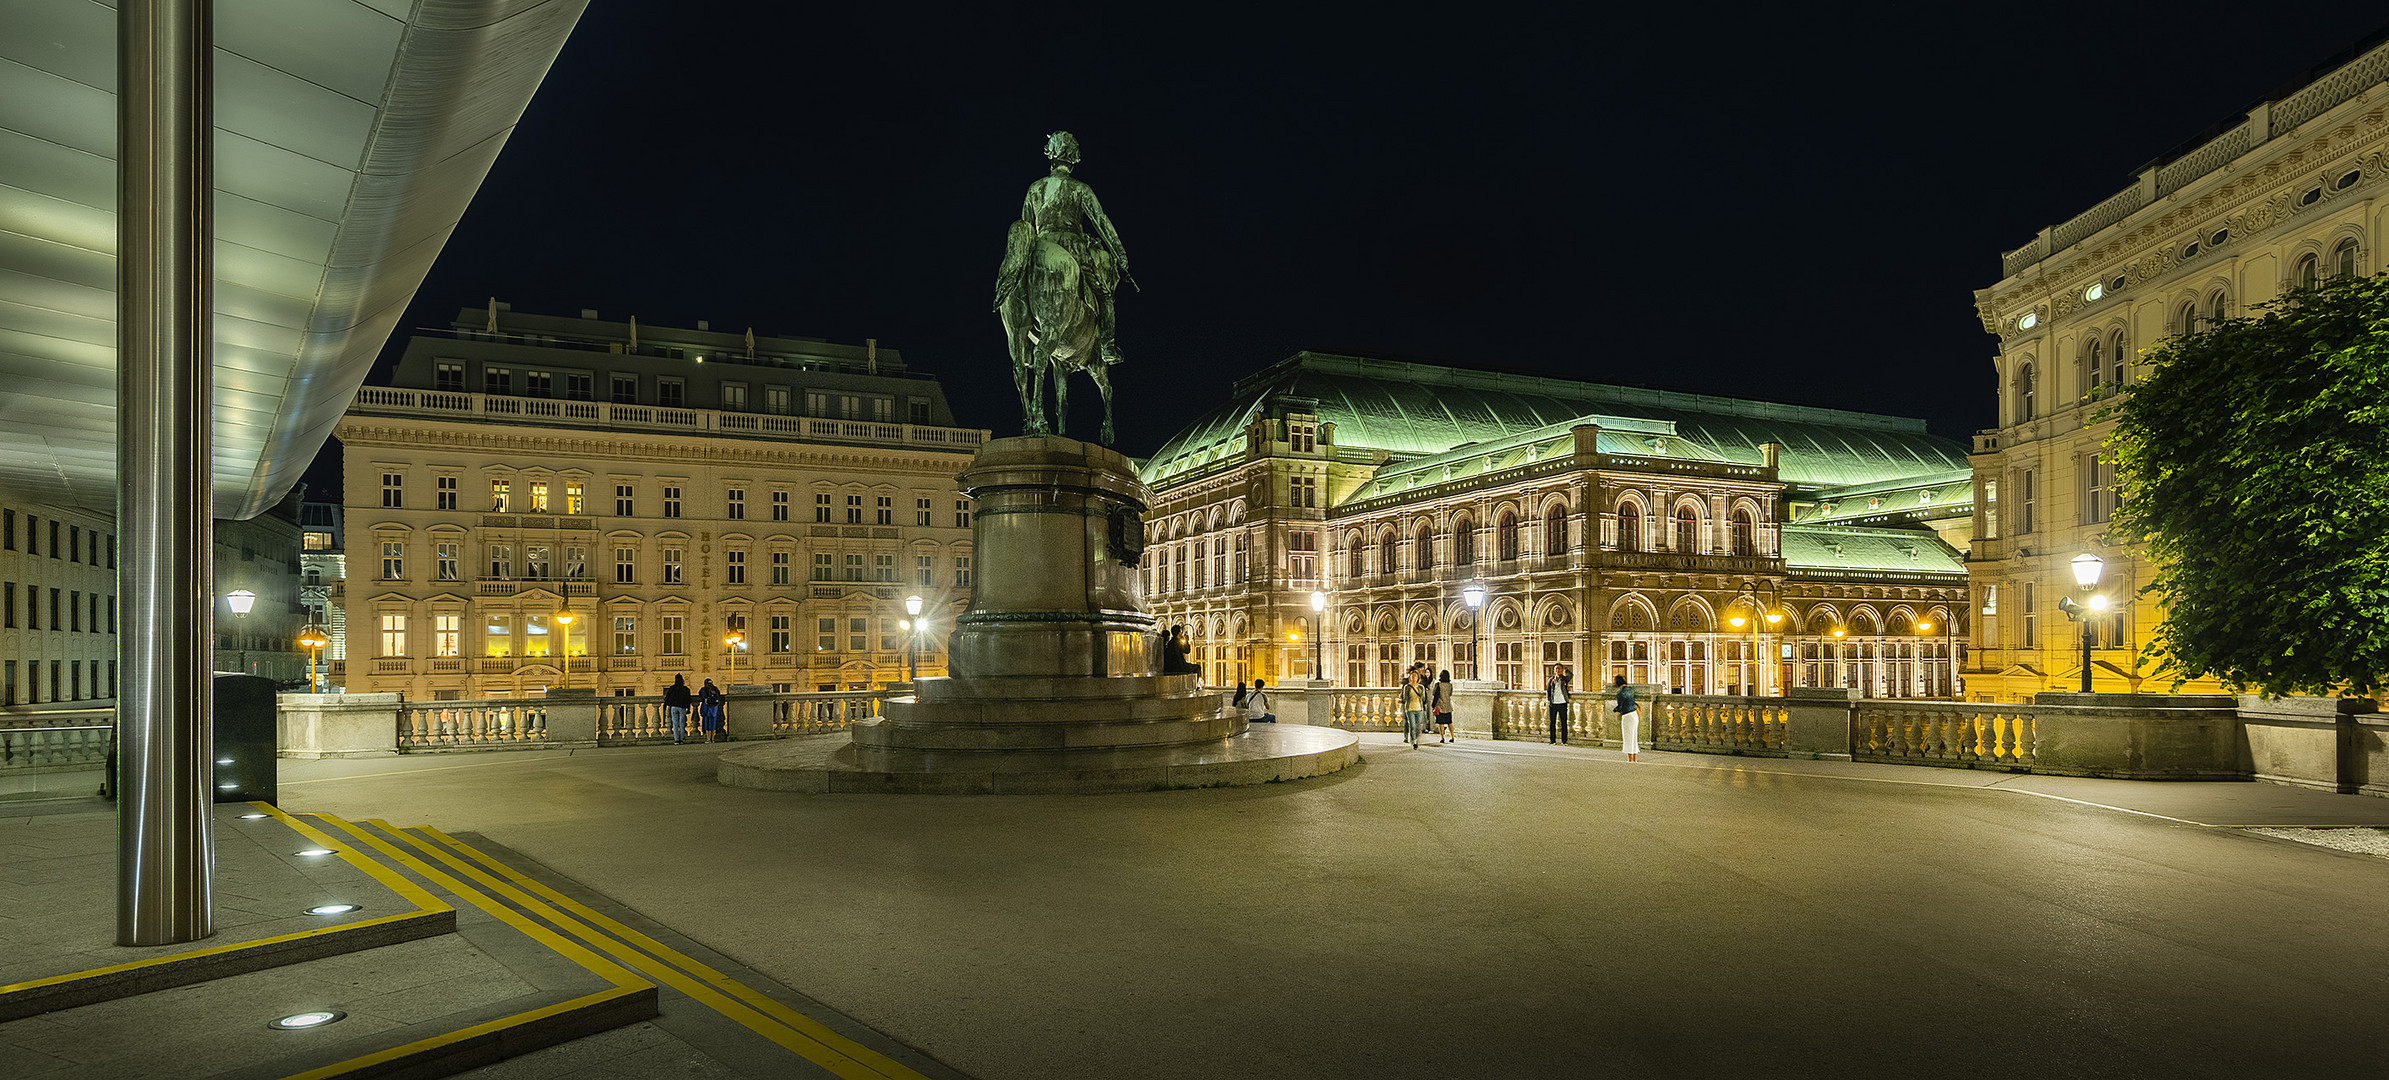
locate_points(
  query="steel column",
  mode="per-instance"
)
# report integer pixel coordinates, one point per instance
(165, 859)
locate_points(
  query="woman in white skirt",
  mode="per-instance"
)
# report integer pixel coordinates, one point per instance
(1629, 720)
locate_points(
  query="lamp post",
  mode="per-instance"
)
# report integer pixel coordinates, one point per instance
(2087, 568)
(1474, 594)
(564, 630)
(1318, 636)
(241, 601)
(732, 641)
(1839, 633)
(912, 640)
(1764, 614)
(313, 639)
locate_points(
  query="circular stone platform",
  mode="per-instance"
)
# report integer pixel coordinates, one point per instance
(830, 763)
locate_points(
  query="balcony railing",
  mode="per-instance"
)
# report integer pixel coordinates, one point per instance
(433, 404)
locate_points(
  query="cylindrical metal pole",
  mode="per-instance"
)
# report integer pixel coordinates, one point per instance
(165, 861)
(2086, 652)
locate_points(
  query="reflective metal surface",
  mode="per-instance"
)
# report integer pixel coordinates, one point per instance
(165, 175)
(351, 135)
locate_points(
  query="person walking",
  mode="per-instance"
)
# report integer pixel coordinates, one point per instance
(1441, 704)
(1258, 705)
(676, 703)
(1629, 722)
(1414, 705)
(1555, 694)
(709, 710)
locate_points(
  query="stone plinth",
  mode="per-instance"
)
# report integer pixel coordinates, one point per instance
(1056, 686)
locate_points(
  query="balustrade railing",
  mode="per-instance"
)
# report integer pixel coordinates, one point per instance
(491, 723)
(1365, 710)
(57, 746)
(1717, 724)
(1525, 714)
(1965, 734)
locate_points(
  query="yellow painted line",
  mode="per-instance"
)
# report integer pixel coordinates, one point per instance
(424, 902)
(390, 879)
(762, 1002)
(571, 950)
(462, 1034)
(217, 950)
(843, 1058)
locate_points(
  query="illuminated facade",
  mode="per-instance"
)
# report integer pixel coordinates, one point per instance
(665, 489)
(1705, 544)
(2288, 193)
(57, 605)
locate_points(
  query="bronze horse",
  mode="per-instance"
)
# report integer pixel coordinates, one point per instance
(1051, 322)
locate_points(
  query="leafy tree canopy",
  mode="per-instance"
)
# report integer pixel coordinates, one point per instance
(2255, 456)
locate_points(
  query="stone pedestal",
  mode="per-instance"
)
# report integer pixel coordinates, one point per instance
(1056, 683)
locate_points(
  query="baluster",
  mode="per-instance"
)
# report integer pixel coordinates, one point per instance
(2028, 737)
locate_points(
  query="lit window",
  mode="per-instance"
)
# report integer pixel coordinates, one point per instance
(2030, 320)
(2095, 291)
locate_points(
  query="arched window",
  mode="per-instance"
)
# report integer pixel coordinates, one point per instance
(1555, 530)
(1359, 566)
(1688, 530)
(2186, 320)
(2343, 258)
(2025, 405)
(2217, 306)
(1425, 543)
(1387, 558)
(1464, 542)
(2309, 271)
(2115, 359)
(2095, 365)
(1505, 537)
(1629, 527)
(1746, 533)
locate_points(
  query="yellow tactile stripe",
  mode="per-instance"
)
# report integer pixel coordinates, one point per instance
(762, 1002)
(397, 1053)
(805, 1037)
(571, 950)
(424, 902)
(390, 879)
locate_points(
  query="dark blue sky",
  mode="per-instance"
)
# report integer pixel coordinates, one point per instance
(1776, 204)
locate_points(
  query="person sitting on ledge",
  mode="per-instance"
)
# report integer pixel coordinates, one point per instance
(1258, 705)
(1173, 653)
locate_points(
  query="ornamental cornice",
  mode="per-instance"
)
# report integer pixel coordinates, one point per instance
(596, 447)
(2246, 203)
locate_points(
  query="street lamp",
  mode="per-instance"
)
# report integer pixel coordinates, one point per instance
(1318, 636)
(2087, 568)
(732, 641)
(241, 601)
(313, 638)
(564, 628)
(1474, 594)
(912, 641)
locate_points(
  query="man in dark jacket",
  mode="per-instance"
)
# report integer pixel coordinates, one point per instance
(676, 703)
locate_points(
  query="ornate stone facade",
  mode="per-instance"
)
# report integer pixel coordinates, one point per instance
(1613, 529)
(2290, 192)
(665, 487)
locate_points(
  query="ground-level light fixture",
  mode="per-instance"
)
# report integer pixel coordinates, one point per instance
(251, 817)
(334, 909)
(305, 1020)
(314, 851)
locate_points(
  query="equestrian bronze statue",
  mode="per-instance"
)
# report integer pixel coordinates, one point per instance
(1055, 291)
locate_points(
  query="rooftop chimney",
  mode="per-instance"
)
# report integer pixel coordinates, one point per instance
(871, 354)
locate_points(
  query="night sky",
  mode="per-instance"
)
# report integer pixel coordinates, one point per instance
(1773, 204)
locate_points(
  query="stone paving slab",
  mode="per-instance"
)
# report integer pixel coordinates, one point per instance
(1494, 909)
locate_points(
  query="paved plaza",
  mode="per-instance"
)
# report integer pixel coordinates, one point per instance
(1476, 910)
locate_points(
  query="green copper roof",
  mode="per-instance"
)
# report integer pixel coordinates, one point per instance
(1411, 410)
(1934, 495)
(1848, 549)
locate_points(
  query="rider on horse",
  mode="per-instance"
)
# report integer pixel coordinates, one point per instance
(1051, 213)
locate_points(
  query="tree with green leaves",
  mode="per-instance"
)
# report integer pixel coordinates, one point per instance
(2255, 458)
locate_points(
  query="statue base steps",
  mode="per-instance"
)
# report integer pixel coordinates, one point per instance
(830, 764)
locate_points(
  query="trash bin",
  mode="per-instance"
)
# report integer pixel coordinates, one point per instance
(247, 737)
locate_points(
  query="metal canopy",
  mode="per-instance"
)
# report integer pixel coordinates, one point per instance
(350, 136)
